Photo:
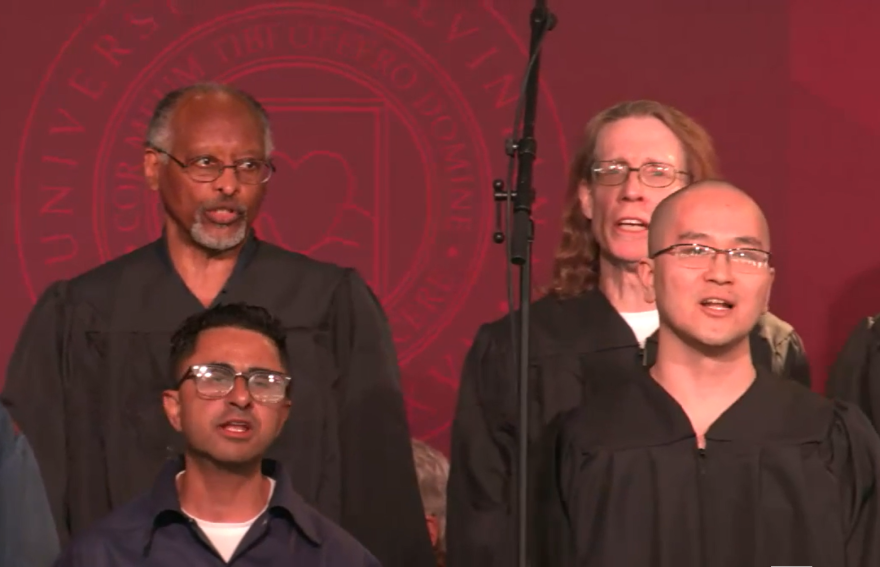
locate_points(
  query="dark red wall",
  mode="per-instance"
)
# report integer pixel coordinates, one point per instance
(390, 117)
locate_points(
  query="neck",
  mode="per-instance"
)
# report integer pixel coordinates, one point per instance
(620, 284)
(195, 264)
(702, 378)
(214, 493)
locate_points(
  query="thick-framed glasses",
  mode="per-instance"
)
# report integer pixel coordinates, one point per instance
(205, 169)
(700, 256)
(215, 381)
(657, 175)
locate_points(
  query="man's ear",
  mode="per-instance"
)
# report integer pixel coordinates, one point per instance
(152, 163)
(585, 196)
(645, 270)
(285, 412)
(171, 405)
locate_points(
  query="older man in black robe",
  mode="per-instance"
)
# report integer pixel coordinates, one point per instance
(85, 379)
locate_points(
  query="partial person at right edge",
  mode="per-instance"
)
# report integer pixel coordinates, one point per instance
(855, 375)
(594, 319)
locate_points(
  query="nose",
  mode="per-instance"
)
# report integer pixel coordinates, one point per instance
(227, 183)
(719, 270)
(239, 396)
(632, 189)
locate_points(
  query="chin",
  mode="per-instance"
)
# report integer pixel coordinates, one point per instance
(230, 458)
(624, 259)
(718, 342)
(711, 343)
(219, 239)
(624, 253)
(236, 459)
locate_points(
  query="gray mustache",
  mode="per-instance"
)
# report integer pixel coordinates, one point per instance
(231, 205)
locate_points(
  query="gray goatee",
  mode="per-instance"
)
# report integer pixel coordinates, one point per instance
(203, 236)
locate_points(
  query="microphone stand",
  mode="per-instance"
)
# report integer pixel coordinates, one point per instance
(519, 251)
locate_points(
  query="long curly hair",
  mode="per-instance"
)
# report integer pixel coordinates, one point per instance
(575, 267)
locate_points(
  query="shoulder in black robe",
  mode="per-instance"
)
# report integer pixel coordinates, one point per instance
(85, 380)
(787, 477)
(855, 375)
(576, 344)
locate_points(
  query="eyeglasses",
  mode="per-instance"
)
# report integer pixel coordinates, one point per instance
(205, 169)
(215, 381)
(657, 175)
(700, 256)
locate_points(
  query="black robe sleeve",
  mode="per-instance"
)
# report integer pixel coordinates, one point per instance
(481, 528)
(853, 376)
(856, 465)
(34, 394)
(382, 506)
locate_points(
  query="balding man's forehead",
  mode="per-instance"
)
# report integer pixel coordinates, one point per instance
(719, 223)
(689, 216)
(733, 239)
(713, 184)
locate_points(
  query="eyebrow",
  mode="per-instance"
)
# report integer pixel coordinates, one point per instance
(644, 161)
(206, 152)
(269, 370)
(248, 369)
(745, 240)
(691, 235)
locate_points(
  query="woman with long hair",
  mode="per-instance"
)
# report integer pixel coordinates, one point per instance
(593, 324)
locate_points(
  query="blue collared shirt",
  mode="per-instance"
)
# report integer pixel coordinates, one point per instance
(153, 531)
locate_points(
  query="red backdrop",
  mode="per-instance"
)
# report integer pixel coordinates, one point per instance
(390, 117)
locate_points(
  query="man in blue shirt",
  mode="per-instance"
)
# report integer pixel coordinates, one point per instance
(222, 502)
(28, 537)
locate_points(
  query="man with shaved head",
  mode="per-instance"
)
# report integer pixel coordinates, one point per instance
(705, 459)
(689, 228)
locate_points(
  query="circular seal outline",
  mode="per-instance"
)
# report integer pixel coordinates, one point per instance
(453, 95)
(488, 5)
(49, 74)
(22, 144)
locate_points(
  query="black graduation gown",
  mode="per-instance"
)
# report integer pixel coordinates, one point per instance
(85, 380)
(787, 477)
(575, 343)
(855, 375)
